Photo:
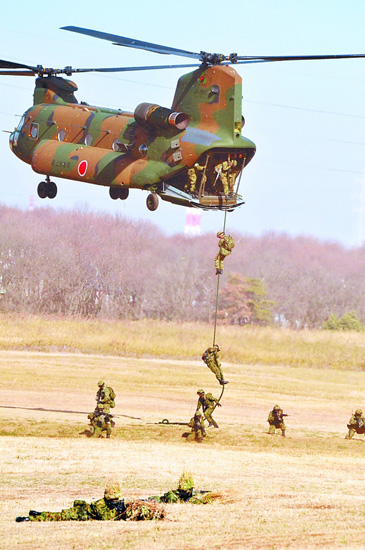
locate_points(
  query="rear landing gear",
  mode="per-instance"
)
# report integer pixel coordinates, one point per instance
(152, 201)
(47, 189)
(118, 193)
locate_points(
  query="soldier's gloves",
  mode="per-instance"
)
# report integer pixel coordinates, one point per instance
(34, 513)
(22, 518)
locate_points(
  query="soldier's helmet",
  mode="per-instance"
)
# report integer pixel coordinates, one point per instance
(220, 234)
(198, 414)
(200, 392)
(101, 383)
(186, 481)
(358, 412)
(276, 408)
(217, 347)
(112, 491)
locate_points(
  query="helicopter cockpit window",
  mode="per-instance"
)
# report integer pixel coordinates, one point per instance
(61, 135)
(34, 129)
(15, 135)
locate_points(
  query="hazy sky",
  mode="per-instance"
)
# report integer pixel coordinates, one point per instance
(307, 119)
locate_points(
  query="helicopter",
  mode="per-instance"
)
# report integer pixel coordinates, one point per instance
(192, 154)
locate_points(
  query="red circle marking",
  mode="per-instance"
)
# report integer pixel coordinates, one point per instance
(82, 168)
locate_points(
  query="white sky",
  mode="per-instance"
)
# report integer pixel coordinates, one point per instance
(307, 119)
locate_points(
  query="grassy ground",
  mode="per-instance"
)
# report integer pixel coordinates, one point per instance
(147, 338)
(304, 492)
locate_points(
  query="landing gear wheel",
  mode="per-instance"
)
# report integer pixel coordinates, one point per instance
(47, 189)
(118, 193)
(114, 193)
(123, 193)
(152, 201)
(42, 190)
(51, 190)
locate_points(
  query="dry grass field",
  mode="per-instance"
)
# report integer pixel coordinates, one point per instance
(306, 491)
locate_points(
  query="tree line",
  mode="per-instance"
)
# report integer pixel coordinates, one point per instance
(95, 264)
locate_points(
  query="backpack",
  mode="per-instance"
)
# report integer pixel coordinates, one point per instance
(112, 397)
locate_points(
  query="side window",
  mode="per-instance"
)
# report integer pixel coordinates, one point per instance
(34, 130)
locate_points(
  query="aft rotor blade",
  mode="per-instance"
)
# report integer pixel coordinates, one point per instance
(132, 42)
(126, 69)
(267, 59)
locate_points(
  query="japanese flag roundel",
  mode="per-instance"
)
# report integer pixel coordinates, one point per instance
(82, 168)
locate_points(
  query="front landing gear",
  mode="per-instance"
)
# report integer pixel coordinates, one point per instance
(47, 189)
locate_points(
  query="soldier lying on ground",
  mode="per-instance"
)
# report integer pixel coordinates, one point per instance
(276, 420)
(111, 507)
(197, 428)
(185, 492)
(208, 403)
(356, 424)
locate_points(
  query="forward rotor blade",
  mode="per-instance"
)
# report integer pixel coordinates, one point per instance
(17, 73)
(132, 42)
(12, 65)
(267, 59)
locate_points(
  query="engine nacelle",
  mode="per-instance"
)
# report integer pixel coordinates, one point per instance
(148, 114)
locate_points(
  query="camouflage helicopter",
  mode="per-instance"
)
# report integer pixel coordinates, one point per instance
(191, 154)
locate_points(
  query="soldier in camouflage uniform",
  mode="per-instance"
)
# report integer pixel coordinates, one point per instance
(107, 508)
(190, 186)
(225, 172)
(197, 428)
(111, 507)
(208, 403)
(99, 423)
(356, 424)
(276, 421)
(211, 359)
(225, 243)
(185, 492)
(105, 397)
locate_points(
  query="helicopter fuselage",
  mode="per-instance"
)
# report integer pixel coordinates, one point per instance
(153, 148)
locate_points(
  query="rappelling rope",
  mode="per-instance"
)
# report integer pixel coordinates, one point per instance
(217, 296)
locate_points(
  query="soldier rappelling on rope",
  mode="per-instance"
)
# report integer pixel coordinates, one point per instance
(211, 359)
(225, 243)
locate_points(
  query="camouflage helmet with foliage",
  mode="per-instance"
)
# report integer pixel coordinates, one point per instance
(200, 392)
(220, 234)
(112, 491)
(101, 383)
(358, 412)
(276, 408)
(186, 481)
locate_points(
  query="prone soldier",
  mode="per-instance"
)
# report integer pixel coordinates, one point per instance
(110, 507)
(356, 424)
(185, 492)
(276, 420)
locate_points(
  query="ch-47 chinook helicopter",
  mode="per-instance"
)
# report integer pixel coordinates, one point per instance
(192, 154)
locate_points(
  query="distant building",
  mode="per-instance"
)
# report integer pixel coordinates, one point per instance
(192, 222)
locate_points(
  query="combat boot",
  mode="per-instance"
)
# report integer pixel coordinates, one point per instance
(222, 382)
(219, 272)
(34, 514)
(22, 518)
